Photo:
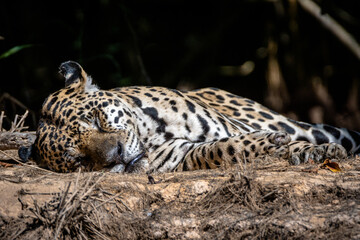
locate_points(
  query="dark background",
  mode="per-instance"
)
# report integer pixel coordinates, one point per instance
(274, 52)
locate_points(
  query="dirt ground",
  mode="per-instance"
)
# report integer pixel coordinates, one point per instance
(268, 200)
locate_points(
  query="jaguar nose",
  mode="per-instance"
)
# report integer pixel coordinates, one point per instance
(117, 155)
(120, 150)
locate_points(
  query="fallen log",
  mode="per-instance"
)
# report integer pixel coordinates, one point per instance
(269, 200)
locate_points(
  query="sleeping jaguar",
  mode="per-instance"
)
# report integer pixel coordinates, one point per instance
(156, 129)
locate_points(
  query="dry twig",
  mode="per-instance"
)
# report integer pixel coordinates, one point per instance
(332, 25)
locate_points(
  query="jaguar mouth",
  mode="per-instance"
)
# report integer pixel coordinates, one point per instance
(129, 167)
(122, 167)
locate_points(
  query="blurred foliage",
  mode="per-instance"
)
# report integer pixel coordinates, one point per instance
(180, 44)
(14, 50)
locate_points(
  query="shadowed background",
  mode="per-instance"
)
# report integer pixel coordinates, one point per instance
(276, 52)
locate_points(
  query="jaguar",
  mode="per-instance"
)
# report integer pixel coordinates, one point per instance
(156, 129)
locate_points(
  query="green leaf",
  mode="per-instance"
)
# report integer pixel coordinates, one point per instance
(14, 50)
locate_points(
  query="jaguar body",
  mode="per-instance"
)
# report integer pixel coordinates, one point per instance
(157, 129)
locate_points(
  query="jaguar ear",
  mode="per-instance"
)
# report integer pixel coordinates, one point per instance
(72, 72)
(25, 153)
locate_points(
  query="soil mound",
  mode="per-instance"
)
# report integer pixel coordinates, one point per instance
(267, 200)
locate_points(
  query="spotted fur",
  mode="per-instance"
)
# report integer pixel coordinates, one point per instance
(157, 129)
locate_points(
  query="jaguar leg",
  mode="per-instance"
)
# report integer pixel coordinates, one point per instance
(301, 152)
(235, 149)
